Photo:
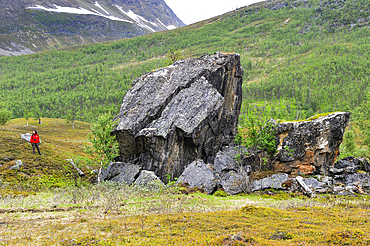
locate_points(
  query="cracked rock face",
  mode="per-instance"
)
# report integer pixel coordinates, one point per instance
(175, 115)
(315, 144)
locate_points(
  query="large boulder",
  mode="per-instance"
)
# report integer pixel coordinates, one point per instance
(315, 144)
(177, 114)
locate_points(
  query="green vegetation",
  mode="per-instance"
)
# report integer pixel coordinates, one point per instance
(104, 145)
(173, 56)
(5, 115)
(299, 60)
(364, 121)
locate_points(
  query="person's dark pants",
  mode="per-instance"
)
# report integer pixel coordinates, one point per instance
(35, 145)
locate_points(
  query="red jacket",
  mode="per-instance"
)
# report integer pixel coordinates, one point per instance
(35, 138)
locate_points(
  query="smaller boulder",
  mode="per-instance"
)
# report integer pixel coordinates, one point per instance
(351, 164)
(234, 183)
(18, 165)
(120, 172)
(346, 193)
(273, 182)
(148, 178)
(199, 175)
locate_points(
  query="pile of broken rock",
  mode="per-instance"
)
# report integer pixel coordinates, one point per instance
(349, 176)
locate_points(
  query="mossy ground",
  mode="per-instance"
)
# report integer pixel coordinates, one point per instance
(197, 219)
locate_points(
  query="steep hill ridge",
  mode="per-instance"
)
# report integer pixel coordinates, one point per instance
(301, 58)
(30, 26)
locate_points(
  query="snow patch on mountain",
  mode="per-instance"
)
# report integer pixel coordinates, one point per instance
(80, 11)
(170, 27)
(162, 23)
(137, 18)
(100, 7)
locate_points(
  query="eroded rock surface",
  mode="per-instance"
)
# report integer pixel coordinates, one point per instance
(175, 115)
(315, 144)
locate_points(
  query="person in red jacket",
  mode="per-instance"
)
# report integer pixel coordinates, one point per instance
(35, 141)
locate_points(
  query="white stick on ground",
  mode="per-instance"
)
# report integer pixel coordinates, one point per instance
(308, 191)
(75, 167)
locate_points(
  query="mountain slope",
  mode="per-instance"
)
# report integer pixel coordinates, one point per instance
(29, 26)
(300, 58)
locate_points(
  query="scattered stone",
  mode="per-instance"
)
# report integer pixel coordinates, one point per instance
(322, 190)
(75, 167)
(357, 178)
(18, 165)
(120, 172)
(273, 182)
(234, 183)
(148, 178)
(199, 175)
(346, 193)
(337, 189)
(327, 180)
(291, 184)
(26, 137)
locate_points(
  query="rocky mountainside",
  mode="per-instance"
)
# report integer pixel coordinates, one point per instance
(29, 26)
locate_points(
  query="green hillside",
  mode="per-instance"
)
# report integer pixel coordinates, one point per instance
(50, 170)
(300, 58)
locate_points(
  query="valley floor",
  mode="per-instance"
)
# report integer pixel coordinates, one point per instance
(121, 215)
(41, 205)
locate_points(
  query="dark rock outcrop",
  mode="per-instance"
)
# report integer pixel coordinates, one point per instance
(175, 115)
(315, 144)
